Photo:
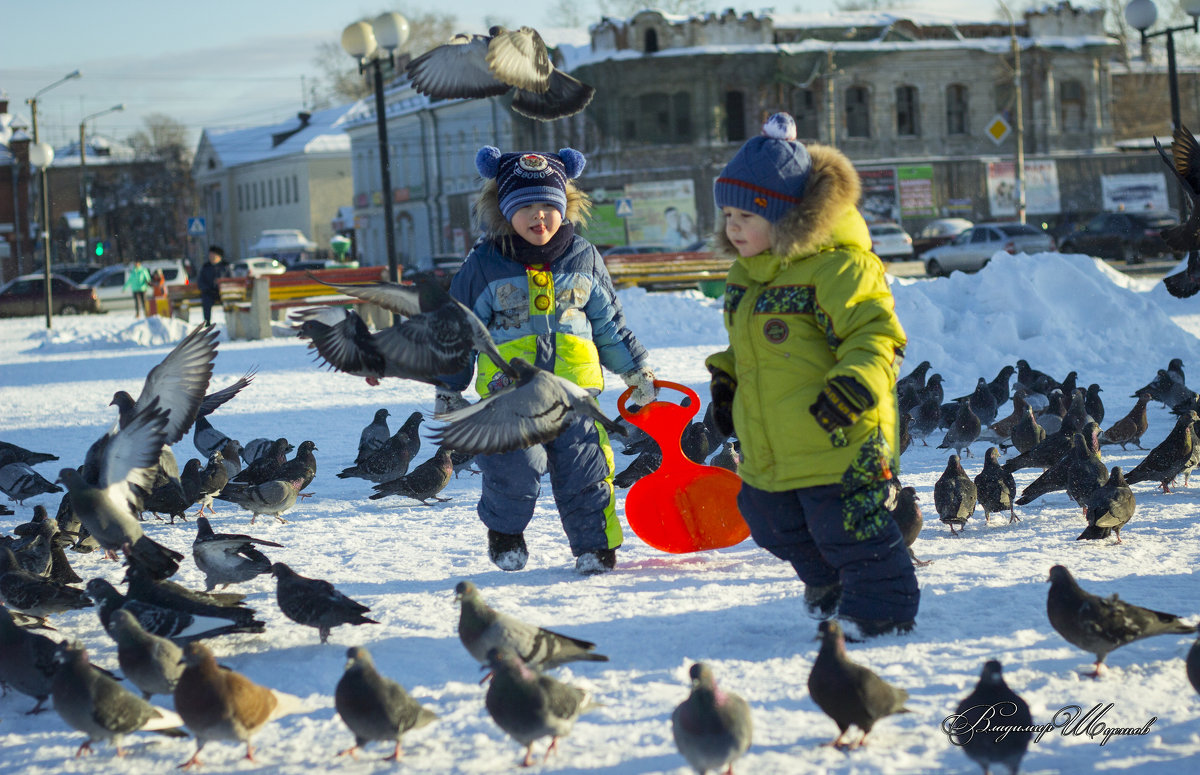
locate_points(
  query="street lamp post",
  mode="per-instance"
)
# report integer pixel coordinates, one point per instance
(45, 154)
(84, 204)
(1141, 15)
(363, 41)
(1019, 117)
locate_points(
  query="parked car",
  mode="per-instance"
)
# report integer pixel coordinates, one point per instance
(972, 249)
(890, 241)
(255, 266)
(26, 295)
(937, 233)
(76, 273)
(1130, 236)
(109, 282)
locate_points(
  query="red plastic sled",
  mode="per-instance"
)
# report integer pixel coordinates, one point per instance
(681, 507)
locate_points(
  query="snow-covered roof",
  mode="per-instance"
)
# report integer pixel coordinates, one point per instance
(323, 134)
(830, 19)
(100, 151)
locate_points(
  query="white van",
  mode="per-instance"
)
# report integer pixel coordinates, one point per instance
(109, 282)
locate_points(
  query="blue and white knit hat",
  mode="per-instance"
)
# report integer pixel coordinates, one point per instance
(526, 178)
(768, 175)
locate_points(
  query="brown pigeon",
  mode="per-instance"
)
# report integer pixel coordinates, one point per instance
(847, 692)
(1129, 429)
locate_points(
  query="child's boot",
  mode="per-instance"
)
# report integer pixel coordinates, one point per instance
(597, 561)
(507, 551)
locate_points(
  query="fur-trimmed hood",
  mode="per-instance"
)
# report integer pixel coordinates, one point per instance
(827, 216)
(490, 220)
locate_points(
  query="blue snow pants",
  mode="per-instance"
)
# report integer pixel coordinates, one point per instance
(581, 468)
(806, 528)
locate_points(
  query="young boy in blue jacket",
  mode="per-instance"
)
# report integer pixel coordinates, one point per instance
(545, 295)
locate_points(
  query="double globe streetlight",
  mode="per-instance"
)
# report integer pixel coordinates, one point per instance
(371, 44)
(1141, 15)
(40, 156)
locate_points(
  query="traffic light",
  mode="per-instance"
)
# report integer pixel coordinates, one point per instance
(99, 248)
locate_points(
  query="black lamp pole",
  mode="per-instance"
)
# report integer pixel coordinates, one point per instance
(385, 172)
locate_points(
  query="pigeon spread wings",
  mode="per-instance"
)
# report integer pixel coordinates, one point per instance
(519, 57)
(515, 417)
(133, 452)
(457, 69)
(180, 381)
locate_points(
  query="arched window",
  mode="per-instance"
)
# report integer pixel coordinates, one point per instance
(804, 110)
(654, 118)
(908, 111)
(956, 109)
(858, 112)
(1070, 101)
(735, 116)
(651, 41)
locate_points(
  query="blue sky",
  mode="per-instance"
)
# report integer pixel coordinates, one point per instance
(211, 63)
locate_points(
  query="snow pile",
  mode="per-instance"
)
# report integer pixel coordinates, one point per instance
(146, 332)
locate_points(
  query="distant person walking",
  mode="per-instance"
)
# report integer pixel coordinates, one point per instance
(207, 278)
(136, 283)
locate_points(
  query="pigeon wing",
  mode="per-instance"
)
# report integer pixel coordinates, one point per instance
(179, 381)
(426, 346)
(458, 69)
(564, 96)
(345, 345)
(213, 400)
(513, 418)
(519, 58)
(132, 454)
(402, 299)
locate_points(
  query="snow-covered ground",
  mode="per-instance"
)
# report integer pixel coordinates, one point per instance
(738, 609)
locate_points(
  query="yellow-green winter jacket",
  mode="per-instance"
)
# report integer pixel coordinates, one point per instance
(816, 305)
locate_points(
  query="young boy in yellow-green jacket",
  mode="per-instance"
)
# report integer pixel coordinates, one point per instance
(808, 382)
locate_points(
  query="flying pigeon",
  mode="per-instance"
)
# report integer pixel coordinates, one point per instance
(106, 499)
(424, 482)
(995, 487)
(228, 558)
(1109, 508)
(373, 706)
(476, 66)
(179, 626)
(441, 335)
(1129, 429)
(482, 628)
(847, 692)
(373, 436)
(1184, 161)
(11, 453)
(217, 703)
(529, 706)
(1098, 624)
(20, 482)
(992, 704)
(99, 707)
(314, 602)
(1170, 458)
(533, 410)
(908, 517)
(26, 660)
(152, 663)
(389, 460)
(954, 495)
(712, 728)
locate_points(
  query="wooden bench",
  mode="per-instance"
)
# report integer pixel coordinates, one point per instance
(180, 299)
(252, 303)
(666, 271)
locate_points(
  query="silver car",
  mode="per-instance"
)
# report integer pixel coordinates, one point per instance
(972, 249)
(890, 242)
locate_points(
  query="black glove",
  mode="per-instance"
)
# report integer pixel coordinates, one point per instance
(841, 403)
(722, 387)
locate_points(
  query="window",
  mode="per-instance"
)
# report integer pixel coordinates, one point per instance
(956, 109)
(295, 189)
(804, 109)
(858, 112)
(240, 192)
(628, 119)
(1070, 99)
(651, 41)
(270, 194)
(253, 197)
(681, 110)
(735, 116)
(654, 118)
(908, 111)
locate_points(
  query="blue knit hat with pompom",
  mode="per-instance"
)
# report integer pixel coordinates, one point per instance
(768, 175)
(527, 178)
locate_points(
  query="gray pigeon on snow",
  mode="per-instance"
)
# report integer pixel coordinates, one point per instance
(424, 482)
(152, 663)
(1109, 508)
(20, 482)
(374, 706)
(535, 409)
(528, 705)
(982, 745)
(11, 453)
(179, 626)
(1172, 456)
(712, 728)
(99, 707)
(482, 628)
(1100, 625)
(35, 595)
(955, 495)
(314, 602)
(228, 558)
(908, 517)
(390, 459)
(1129, 429)
(26, 660)
(995, 487)
(373, 436)
(847, 692)
(275, 497)
(440, 336)
(476, 66)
